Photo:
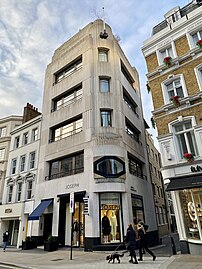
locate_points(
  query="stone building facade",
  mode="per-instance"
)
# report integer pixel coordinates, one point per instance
(174, 61)
(93, 145)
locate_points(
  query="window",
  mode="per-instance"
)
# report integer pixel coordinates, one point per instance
(29, 188)
(32, 159)
(19, 191)
(103, 55)
(13, 166)
(131, 130)
(104, 85)
(106, 120)
(2, 131)
(16, 142)
(67, 129)
(10, 193)
(198, 72)
(69, 69)
(35, 134)
(22, 163)
(135, 166)
(68, 98)
(168, 52)
(2, 154)
(127, 74)
(185, 137)
(129, 101)
(196, 37)
(109, 166)
(66, 166)
(25, 138)
(174, 86)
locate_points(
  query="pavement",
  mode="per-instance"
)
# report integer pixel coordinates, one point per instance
(39, 259)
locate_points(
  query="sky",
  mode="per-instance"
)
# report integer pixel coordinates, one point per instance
(31, 30)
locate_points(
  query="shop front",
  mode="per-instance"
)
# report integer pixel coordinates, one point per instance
(187, 194)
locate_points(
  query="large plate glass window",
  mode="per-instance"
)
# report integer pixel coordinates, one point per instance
(110, 214)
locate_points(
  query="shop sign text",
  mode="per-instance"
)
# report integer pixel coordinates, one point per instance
(110, 207)
(71, 186)
(8, 210)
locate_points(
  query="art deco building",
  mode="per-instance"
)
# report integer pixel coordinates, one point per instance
(174, 61)
(93, 145)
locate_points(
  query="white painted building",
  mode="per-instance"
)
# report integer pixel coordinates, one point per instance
(20, 180)
(92, 144)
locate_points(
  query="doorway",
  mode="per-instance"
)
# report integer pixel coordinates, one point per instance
(48, 218)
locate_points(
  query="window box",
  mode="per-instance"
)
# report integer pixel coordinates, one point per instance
(167, 61)
(199, 43)
(175, 100)
(189, 157)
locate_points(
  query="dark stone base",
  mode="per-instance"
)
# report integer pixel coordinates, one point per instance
(184, 246)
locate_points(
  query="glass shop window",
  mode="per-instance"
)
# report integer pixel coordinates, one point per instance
(110, 218)
(191, 204)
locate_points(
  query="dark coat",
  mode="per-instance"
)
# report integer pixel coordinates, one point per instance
(5, 237)
(106, 229)
(130, 239)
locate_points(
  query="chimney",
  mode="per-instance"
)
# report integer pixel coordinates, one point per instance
(30, 112)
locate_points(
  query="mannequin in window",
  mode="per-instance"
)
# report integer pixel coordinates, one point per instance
(113, 224)
(75, 231)
(105, 227)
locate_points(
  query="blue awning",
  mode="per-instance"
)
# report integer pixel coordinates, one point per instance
(40, 209)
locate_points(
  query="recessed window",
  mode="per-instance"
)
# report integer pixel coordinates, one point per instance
(104, 85)
(13, 166)
(174, 87)
(25, 138)
(32, 160)
(196, 37)
(129, 101)
(29, 188)
(35, 134)
(16, 142)
(19, 191)
(198, 71)
(66, 166)
(132, 131)
(106, 120)
(67, 129)
(22, 163)
(10, 193)
(127, 74)
(167, 52)
(135, 166)
(2, 131)
(103, 55)
(2, 154)
(109, 166)
(185, 138)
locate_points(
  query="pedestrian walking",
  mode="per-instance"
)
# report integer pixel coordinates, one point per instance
(143, 242)
(131, 243)
(5, 239)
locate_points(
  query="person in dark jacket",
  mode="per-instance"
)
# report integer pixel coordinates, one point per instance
(5, 239)
(143, 242)
(131, 243)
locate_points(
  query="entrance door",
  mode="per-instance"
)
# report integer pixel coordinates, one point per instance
(48, 218)
(15, 232)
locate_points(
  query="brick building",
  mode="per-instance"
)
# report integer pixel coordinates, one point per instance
(173, 56)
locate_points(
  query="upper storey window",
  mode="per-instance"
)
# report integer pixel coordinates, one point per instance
(175, 86)
(166, 52)
(129, 101)
(198, 71)
(103, 55)
(2, 131)
(185, 137)
(68, 69)
(131, 130)
(68, 98)
(104, 85)
(106, 118)
(16, 142)
(126, 74)
(67, 129)
(196, 37)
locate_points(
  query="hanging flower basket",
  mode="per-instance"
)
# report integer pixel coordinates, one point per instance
(153, 123)
(175, 100)
(199, 43)
(148, 87)
(188, 157)
(167, 61)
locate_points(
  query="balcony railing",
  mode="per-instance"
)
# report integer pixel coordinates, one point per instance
(65, 174)
(62, 136)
